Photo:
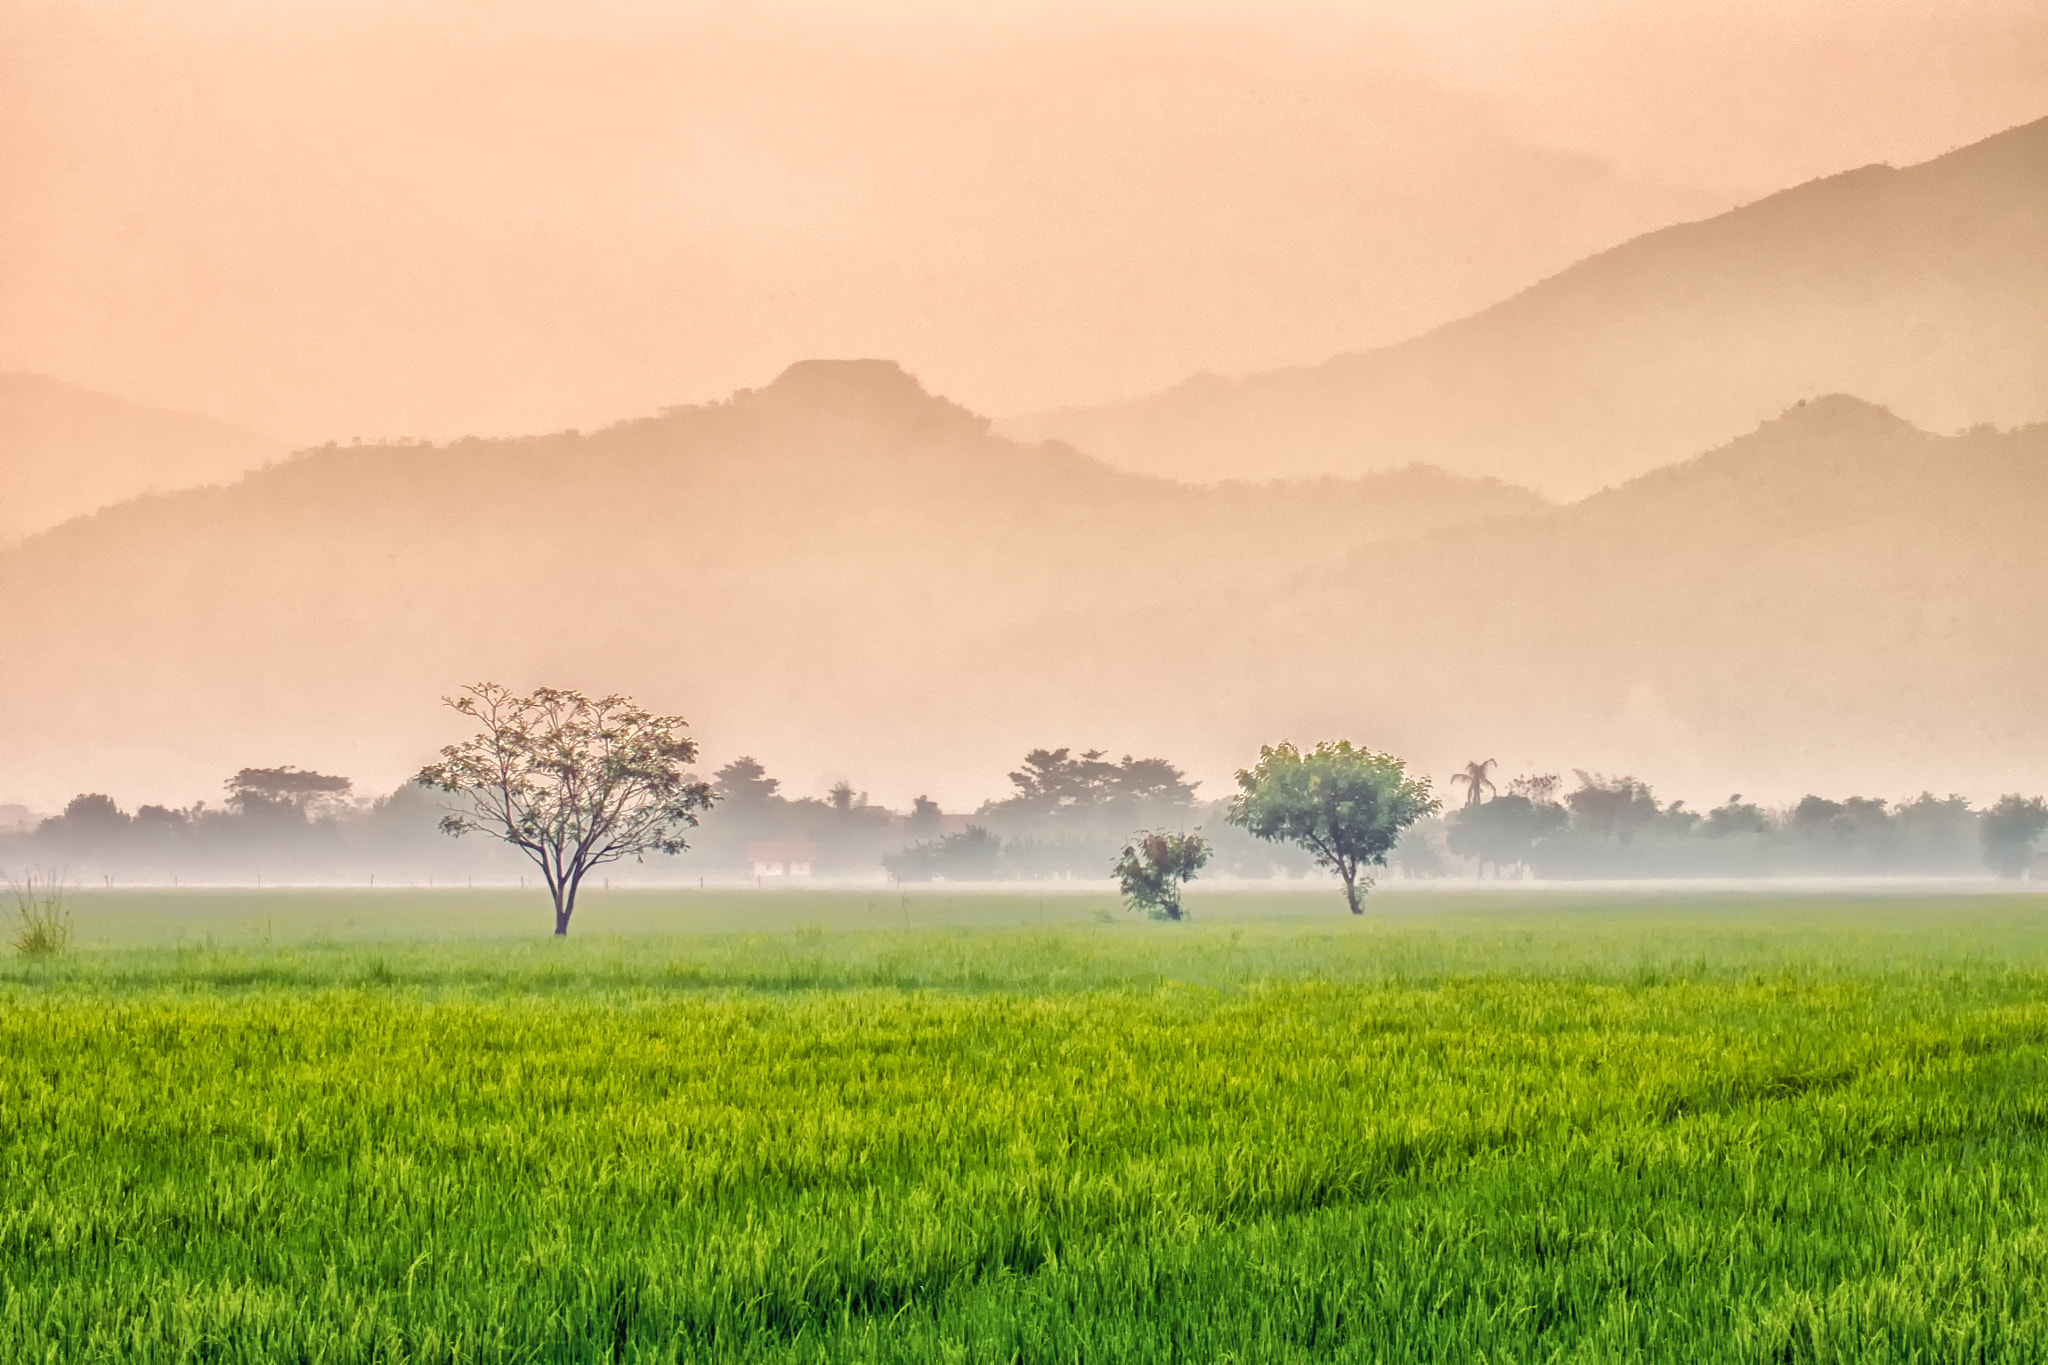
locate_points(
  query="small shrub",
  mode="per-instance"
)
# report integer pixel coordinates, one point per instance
(1155, 866)
(42, 925)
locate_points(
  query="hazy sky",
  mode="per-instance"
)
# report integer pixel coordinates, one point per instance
(437, 217)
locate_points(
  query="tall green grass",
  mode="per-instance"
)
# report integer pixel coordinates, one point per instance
(1485, 1129)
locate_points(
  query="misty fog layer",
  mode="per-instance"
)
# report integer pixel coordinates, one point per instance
(1063, 817)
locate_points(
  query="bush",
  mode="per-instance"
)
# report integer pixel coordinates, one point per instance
(1155, 866)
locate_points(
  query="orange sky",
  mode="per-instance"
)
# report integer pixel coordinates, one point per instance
(441, 217)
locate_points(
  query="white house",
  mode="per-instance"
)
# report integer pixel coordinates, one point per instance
(782, 857)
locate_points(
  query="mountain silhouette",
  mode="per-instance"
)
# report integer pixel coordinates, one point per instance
(785, 568)
(1837, 598)
(845, 575)
(65, 451)
(1924, 289)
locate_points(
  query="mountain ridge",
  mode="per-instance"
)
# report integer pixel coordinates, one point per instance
(66, 451)
(1835, 597)
(849, 578)
(1921, 287)
(795, 550)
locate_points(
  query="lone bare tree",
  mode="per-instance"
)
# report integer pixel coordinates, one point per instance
(570, 782)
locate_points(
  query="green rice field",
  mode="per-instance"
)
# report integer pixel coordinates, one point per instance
(853, 1126)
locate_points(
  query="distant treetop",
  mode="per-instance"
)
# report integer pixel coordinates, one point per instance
(293, 791)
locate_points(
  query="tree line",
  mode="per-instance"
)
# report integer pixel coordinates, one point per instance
(1615, 827)
(575, 784)
(570, 784)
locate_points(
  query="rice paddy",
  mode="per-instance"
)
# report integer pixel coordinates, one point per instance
(870, 1127)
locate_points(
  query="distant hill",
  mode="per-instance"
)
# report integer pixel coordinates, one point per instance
(788, 568)
(1925, 289)
(65, 451)
(851, 578)
(1837, 600)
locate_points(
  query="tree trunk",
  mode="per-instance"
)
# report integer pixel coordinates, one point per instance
(1351, 892)
(565, 906)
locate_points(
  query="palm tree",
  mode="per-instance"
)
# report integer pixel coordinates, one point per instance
(1476, 781)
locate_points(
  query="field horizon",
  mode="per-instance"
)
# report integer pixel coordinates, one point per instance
(120, 917)
(362, 1126)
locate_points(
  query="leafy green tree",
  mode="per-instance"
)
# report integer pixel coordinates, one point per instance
(2009, 830)
(750, 807)
(163, 817)
(1154, 867)
(924, 818)
(1346, 806)
(1612, 807)
(745, 784)
(89, 813)
(1858, 820)
(1736, 816)
(1935, 832)
(849, 831)
(570, 782)
(974, 854)
(285, 793)
(1056, 789)
(1148, 784)
(1504, 830)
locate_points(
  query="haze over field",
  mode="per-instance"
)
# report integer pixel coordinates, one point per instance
(1458, 269)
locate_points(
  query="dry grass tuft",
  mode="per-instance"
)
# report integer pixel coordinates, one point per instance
(42, 926)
